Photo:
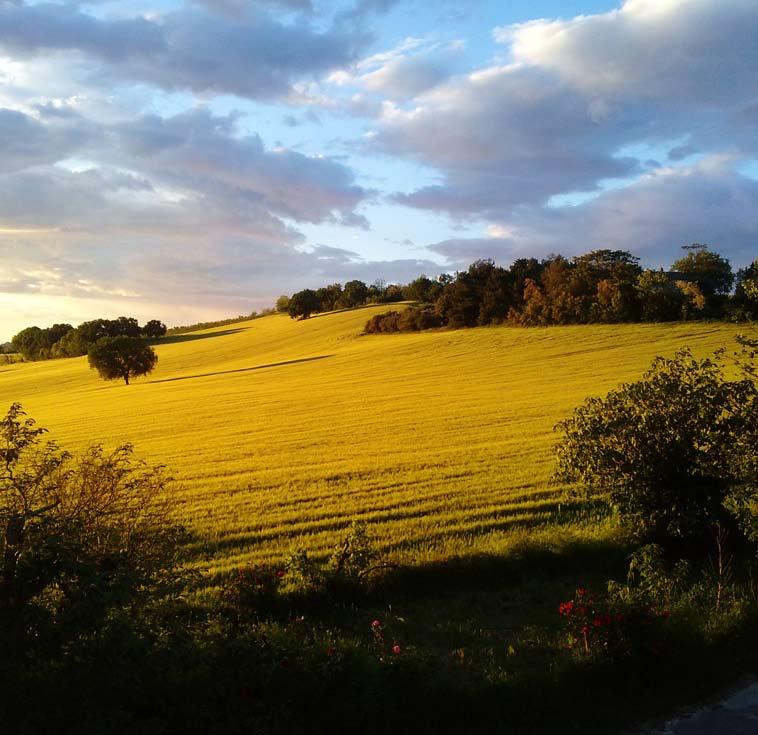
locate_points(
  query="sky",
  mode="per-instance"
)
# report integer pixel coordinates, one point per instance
(189, 160)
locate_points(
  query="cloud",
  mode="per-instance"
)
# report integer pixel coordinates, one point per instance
(250, 54)
(25, 142)
(401, 73)
(199, 150)
(707, 202)
(689, 53)
(561, 113)
(239, 7)
(502, 137)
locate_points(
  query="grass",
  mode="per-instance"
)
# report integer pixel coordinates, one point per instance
(281, 432)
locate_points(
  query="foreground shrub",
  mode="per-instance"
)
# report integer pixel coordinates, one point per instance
(674, 452)
(81, 537)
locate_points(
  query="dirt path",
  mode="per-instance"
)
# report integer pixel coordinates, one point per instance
(736, 714)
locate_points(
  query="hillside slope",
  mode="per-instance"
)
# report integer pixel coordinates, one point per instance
(279, 430)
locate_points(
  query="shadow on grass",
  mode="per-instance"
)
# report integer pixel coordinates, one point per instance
(354, 308)
(243, 370)
(191, 337)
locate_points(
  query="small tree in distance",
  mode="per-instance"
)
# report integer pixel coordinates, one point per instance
(303, 304)
(121, 357)
(154, 329)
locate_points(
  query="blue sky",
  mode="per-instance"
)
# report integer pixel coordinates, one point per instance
(194, 159)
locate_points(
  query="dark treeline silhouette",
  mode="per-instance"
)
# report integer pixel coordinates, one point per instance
(602, 286)
(64, 340)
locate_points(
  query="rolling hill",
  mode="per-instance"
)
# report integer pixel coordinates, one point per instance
(281, 432)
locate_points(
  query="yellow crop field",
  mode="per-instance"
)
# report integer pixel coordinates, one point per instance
(282, 432)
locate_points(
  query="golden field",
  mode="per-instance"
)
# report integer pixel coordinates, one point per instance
(281, 432)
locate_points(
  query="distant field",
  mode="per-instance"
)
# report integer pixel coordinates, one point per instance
(281, 432)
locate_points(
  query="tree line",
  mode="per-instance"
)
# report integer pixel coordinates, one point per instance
(602, 286)
(65, 340)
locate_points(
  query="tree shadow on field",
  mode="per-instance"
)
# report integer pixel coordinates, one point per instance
(191, 337)
(353, 308)
(580, 560)
(243, 370)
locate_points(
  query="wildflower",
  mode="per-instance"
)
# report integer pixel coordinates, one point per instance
(396, 649)
(566, 608)
(279, 573)
(376, 624)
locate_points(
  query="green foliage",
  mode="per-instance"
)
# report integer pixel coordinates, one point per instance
(712, 273)
(79, 536)
(671, 450)
(354, 293)
(661, 300)
(121, 357)
(348, 568)
(154, 329)
(303, 303)
(282, 304)
(37, 344)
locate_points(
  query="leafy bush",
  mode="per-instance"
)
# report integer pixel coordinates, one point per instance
(349, 568)
(80, 537)
(613, 626)
(675, 452)
(254, 589)
(383, 323)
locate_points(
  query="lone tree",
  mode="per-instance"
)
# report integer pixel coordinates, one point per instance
(121, 357)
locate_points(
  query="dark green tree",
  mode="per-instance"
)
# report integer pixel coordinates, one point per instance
(712, 273)
(329, 297)
(354, 294)
(303, 304)
(154, 329)
(121, 357)
(660, 298)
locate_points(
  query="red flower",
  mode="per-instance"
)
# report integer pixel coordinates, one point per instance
(566, 608)
(597, 622)
(396, 649)
(376, 624)
(279, 573)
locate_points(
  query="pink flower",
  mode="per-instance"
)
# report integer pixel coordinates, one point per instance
(396, 649)
(376, 624)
